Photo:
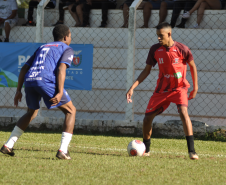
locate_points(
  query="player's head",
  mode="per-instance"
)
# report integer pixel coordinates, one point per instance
(164, 32)
(62, 33)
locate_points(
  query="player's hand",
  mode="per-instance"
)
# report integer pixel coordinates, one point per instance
(17, 98)
(129, 95)
(192, 94)
(56, 99)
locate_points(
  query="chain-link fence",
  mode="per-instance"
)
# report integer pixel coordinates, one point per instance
(107, 100)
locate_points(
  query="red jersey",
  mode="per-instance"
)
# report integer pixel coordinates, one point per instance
(172, 64)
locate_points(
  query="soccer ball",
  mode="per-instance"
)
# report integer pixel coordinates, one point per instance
(136, 148)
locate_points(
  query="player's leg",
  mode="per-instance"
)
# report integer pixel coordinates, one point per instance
(9, 24)
(67, 107)
(200, 11)
(147, 13)
(163, 12)
(70, 112)
(32, 99)
(7, 31)
(72, 11)
(157, 104)
(18, 130)
(147, 131)
(187, 125)
(79, 11)
(125, 15)
(180, 97)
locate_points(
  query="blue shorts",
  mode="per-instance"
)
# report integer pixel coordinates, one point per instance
(34, 95)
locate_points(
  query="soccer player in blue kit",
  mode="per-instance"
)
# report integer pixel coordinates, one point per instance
(43, 76)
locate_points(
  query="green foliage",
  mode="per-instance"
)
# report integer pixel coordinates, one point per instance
(23, 3)
(218, 135)
(104, 160)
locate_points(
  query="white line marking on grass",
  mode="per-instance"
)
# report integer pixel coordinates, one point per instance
(122, 150)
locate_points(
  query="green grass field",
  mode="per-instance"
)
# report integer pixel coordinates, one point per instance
(104, 160)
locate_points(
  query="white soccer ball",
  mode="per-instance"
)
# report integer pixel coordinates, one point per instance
(136, 148)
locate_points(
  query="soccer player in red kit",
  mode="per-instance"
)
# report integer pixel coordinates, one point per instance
(172, 58)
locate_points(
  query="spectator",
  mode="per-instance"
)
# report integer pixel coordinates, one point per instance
(63, 5)
(147, 6)
(165, 5)
(8, 16)
(76, 12)
(98, 4)
(33, 4)
(201, 5)
(178, 6)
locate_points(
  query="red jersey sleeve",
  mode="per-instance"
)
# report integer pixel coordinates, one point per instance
(185, 51)
(189, 56)
(151, 55)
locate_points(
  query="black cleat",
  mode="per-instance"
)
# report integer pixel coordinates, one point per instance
(6, 150)
(62, 155)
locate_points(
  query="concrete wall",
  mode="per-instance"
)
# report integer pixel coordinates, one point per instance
(213, 19)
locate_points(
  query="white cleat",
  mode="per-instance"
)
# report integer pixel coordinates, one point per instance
(146, 154)
(193, 156)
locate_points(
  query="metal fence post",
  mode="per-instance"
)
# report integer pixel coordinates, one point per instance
(129, 114)
(39, 31)
(40, 20)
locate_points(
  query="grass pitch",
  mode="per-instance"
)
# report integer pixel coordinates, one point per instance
(104, 160)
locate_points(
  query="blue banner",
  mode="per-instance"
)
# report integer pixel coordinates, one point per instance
(14, 55)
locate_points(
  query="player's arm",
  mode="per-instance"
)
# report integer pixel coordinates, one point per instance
(22, 74)
(194, 76)
(65, 62)
(61, 74)
(140, 79)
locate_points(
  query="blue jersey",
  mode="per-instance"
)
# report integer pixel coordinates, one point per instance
(44, 63)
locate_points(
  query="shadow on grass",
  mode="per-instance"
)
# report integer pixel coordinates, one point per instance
(89, 152)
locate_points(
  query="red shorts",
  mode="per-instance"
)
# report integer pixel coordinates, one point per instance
(160, 101)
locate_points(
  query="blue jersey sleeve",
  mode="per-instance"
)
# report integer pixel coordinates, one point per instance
(67, 57)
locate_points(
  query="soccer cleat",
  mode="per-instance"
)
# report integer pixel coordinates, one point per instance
(193, 156)
(29, 23)
(146, 154)
(186, 15)
(6, 150)
(62, 155)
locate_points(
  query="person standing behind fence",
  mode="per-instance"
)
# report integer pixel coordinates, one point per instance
(104, 5)
(76, 12)
(8, 16)
(172, 58)
(147, 6)
(200, 6)
(43, 76)
(33, 4)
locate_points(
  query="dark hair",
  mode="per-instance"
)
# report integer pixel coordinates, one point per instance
(60, 31)
(163, 25)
